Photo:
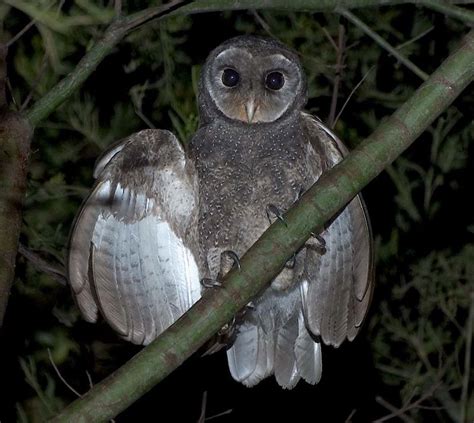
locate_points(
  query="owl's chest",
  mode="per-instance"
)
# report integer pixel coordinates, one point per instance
(251, 167)
(240, 174)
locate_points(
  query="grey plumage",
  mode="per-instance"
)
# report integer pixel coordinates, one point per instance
(254, 147)
(133, 246)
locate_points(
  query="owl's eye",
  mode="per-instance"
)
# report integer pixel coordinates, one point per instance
(230, 77)
(275, 80)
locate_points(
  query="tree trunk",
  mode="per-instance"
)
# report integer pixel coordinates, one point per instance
(15, 137)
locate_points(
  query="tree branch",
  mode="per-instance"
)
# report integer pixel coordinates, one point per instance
(123, 25)
(54, 270)
(201, 6)
(448, 9)
(15, 136)
(112, 36)
(271, 251)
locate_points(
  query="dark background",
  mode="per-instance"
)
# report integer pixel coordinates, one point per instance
(413, 344)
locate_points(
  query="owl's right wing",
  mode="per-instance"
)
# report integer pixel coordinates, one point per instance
(339, 284)
(133, 253)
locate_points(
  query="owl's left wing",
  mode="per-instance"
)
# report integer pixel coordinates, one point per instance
(133, 253)
(338, 284)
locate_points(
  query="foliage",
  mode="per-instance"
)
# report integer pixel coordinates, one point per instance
(418, 328)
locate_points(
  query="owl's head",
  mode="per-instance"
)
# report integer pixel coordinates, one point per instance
(252, 80)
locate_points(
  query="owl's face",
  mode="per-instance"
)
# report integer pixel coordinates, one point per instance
(254, 80)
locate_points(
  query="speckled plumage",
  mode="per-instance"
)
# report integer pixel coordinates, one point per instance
(242, 168)
(160, 219)
(241, 172)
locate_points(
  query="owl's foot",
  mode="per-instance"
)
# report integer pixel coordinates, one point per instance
(233, 256)
(228, 260)
(222, 338)
(299, 194)
(317, 243)
(210, 283)
(275, 211)
(290, 264)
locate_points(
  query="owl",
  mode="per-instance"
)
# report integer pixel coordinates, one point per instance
(163, 223)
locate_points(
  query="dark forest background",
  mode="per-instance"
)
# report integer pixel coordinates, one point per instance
(410, 359)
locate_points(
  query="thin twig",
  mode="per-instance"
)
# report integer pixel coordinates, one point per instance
(330, 39)
(21, 32)
(401, 412)
(262, 23)
(202, 416)
(390, 407)
(10, 90)
(340, 56)
(42, 69)
(89, 379)
(141, 115)
(215, 416)
(415, 38)
(349, 417)
(56, 271)
(351, 94)
(61, 376)
(384, 44)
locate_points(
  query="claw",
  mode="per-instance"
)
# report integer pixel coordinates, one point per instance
(272, 209)
(299, 194)
(320, 243)
(320, 239)
(290, 264)
(250, 306)
(235, 258)
(210, 283)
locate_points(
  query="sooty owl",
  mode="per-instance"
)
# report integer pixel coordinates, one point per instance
(162, 223)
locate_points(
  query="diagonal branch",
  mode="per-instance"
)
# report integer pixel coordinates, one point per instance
(200, 6)
(112, 36)
(269, 254)
(448, 9)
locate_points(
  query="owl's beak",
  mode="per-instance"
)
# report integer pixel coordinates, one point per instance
(250, 109)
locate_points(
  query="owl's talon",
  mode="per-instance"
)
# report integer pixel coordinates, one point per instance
(250, 306)
(278, 213)
(318, 243)
(300, 194)
(210, 283)
(235, 258)
(290, 264)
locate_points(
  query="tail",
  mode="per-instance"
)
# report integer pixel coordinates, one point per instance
(288, 352)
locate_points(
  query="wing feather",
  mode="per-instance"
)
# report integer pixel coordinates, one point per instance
(308, 354)
(286, 370)
(242, 356)
(134, 245)
(340, 282)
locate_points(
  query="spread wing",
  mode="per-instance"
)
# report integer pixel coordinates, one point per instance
(133, 248)
(338, 284)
